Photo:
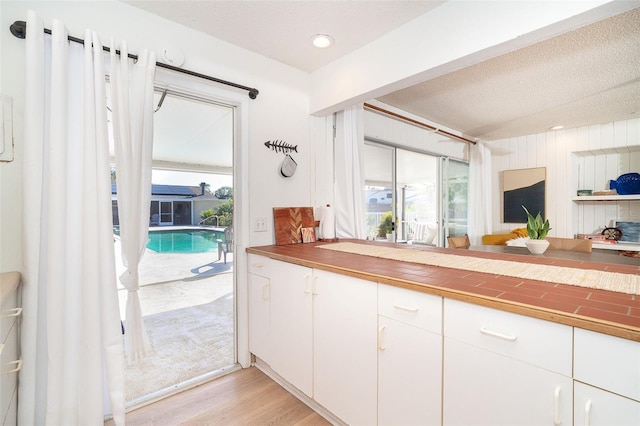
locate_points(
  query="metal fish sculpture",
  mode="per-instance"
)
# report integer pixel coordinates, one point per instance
(281, 146)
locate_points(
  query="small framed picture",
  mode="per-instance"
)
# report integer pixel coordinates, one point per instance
(630, 231)
(308, 235)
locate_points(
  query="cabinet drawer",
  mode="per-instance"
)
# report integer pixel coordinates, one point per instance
(260, 265)
(410, 307)
(608, 362)
(538, 342)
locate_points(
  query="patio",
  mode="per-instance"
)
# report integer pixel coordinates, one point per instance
(187, 304)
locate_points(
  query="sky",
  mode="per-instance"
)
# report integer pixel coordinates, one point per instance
(166, 177)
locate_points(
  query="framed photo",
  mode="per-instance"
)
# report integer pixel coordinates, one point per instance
(630, 231)
(523, 187)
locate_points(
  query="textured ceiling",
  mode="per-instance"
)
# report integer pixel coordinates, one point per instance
(587, 76)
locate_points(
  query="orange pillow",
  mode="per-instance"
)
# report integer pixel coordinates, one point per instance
(520, 232)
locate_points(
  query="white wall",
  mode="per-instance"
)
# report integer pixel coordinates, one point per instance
(281, 110)
(582, 158)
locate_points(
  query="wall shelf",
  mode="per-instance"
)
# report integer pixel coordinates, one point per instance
(631, 197)
(618, 247)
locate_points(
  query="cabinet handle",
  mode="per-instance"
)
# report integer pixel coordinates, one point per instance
(265, 294)
(587, 413)
(380, 345)
(307, 284)
(314, 286)
(484, 330)
(556, 406)
(405, 308)
(257, 265)
(18, 364)
(1, 348)
(15, 312)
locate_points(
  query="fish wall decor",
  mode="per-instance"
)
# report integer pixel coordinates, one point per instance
(281, 146)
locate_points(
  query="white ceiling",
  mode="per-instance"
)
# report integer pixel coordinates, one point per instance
(586, 76)
(282, 30)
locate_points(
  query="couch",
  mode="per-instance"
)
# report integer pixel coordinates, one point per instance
(501, 239)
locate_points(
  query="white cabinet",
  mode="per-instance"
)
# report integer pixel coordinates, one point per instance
(409, 357)
(259, 316)
(280, 319)
(607, 379)
(291, 325)
(505, 369)
(598, 407)
(373, 353)
(10, 363)
(345, 354)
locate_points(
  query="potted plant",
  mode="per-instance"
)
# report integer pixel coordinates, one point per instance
(537, 231)
(385, 229)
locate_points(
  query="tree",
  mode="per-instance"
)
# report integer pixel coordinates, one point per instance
(225, 213)
(224, 193)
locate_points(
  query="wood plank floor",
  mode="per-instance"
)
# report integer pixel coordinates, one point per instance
(245, 397)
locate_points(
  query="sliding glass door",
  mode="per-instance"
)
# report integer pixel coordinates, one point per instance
(413, 196)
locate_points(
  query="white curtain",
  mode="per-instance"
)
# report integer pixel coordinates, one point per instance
(71, 337)
(132, 105)
(480, 214)
(349, 182)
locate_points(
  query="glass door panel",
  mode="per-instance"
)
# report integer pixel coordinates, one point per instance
(378, 190)
(455, 198)
(417, 189)
(166, 213)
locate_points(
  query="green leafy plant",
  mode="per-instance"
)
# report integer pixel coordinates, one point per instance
(386, 225)
(536, 228)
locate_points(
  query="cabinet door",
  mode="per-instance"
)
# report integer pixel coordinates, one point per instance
(345, 354)
(291, 325)
(608, 362)
(409, 374)
(597, 407)
(259, 317)
(486, 388)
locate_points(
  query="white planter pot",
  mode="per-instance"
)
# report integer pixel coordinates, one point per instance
(537, 246)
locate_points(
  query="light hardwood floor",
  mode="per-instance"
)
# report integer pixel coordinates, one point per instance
(245, 397)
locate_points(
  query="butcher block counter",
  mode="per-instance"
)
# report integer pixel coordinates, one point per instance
(609, 312)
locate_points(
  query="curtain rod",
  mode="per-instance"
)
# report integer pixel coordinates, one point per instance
(19, 29)
(418, 123)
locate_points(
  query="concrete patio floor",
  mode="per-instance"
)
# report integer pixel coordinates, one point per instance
(180, 285)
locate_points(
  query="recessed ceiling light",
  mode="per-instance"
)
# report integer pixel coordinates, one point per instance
(557, 127)
(322, 40)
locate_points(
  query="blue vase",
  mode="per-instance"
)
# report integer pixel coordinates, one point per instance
(626, 184)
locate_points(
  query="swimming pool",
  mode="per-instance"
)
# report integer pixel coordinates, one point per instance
(184, 240)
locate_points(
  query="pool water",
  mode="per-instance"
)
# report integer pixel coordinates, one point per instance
(184, 240)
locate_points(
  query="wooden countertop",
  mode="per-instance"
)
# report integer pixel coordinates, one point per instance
(608, 312)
